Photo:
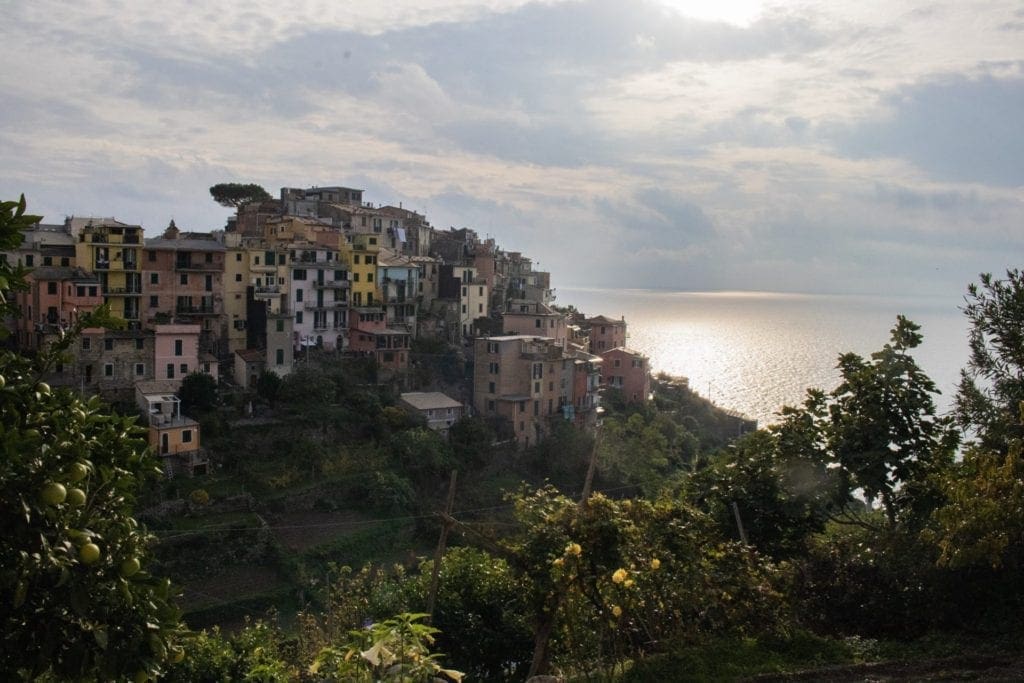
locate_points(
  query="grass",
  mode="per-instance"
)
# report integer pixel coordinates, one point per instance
(727, 659)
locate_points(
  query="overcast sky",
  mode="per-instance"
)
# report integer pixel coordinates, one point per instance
(849, 147)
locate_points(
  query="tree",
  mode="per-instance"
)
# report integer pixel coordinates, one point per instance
(13, 220)
(882, 431)
(198, 394)
(992, 386)
(268, 386)
(235, 195)
(78, 602)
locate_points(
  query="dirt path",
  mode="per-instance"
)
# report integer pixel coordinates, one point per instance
(961, 668)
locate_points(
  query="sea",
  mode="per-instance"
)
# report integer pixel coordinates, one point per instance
(754, 352)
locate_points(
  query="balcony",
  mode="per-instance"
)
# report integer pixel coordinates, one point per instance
(263, 268)
(102, 265)
(195, 310)
(124, 291)
(326, 305)
(331, 284)
(203, 267)
(268, 292)
(132, 239)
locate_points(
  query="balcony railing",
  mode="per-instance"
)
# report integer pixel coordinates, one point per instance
(264, 268)
(331, 284)
(328, 305)
(267, 292)
(202, 266)
(195, 310)
(129, 291)
(102, 265)
(132, 239)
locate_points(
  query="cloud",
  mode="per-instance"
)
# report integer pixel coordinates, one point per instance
(954, 128)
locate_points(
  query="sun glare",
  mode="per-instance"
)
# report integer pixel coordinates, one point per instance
(737, 12)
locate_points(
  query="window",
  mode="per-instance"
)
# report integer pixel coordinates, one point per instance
(238, 256)
(490, 387)
(617, 362)
(298, 295)
(186, 436)
(139, 344)
(184, 279)
(373, 240)
(151, 255)
(479, 308)
(170, 371)
(51, 287)
(154, 301)
(463, 291)
(92, 291)
(209, 257)
(298, 317)
(184, 369)
(108, 369)
(280, 356)
(463, 308)
(493, 368)
(355, 259)
(140, 369)
(299, 274)
(238, 277)
(481, 292)
(65, 262)
(86, 343)
(154, 278)
(280, 325)
(536, 323)
(108, 344)
(355, 277)
(178, 347)
(536, 387)
(492, 347)
(490, 406)
(369, 277)
(79, 291)
(30, 260)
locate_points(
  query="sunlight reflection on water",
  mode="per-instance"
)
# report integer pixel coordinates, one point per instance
(754, 351)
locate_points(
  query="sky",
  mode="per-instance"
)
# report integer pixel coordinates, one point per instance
(820, 147)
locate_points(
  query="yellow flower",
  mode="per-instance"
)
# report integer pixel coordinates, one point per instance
(629, 583)
(616, 611)
(573, 549)
(619, 576)
(655, 563)
(559, 562)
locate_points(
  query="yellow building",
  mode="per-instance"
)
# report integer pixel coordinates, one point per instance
(112, 250)
(361, 257)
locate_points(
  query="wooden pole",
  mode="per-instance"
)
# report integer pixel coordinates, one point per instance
(739, 523)
(441, 542)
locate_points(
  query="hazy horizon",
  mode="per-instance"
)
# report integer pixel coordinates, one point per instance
(808, 147)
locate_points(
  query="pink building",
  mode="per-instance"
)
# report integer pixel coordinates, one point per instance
(176, 351)
(628, 371)
(56, 297)
(606, 334)
(536, 319)
(369, 334)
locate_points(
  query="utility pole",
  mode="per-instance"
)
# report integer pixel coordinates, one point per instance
(448, 520)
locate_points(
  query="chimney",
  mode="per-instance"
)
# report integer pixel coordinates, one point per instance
(172, 232)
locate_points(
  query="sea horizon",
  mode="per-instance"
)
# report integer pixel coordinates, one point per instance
(756, 351)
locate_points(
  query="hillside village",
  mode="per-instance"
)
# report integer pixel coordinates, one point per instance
(318, 270)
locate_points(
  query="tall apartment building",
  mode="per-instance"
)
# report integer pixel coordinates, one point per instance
(183, 279)
(318, 292)
(112, 251)
(526, 380)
